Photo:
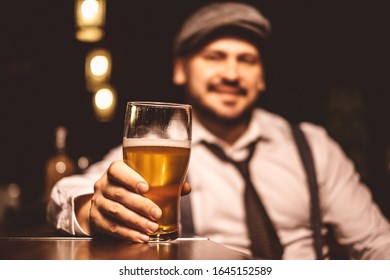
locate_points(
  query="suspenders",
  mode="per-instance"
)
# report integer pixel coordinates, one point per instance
(308, 164)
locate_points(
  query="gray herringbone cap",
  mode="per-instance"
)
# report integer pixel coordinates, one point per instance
(216, 16)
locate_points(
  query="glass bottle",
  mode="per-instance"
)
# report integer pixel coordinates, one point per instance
(60, 164)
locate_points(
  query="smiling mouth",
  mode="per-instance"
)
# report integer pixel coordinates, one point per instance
(223, 89)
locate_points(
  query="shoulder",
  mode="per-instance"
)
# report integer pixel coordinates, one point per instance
(273, 123)
(332, 163)
(278, 129)
(274, 126)
(318, 137)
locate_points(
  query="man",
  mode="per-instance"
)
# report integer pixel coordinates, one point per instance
(218, 61)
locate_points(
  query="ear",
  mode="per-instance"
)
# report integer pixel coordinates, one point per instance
(179, 75)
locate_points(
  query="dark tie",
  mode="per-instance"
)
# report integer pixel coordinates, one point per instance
(265, 243)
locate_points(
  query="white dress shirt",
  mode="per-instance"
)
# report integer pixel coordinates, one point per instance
(279, 178)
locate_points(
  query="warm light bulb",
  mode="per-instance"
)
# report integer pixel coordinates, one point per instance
(89, 9)
(104, 99)
(90, 20)
(99, 65)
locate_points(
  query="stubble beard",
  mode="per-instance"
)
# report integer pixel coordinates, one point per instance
(206, 113)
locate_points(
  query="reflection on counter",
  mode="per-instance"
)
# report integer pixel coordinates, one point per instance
(74, 248)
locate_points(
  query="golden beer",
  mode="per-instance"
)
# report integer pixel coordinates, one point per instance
(163, 164)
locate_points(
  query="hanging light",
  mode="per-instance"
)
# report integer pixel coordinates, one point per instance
(104, 103)
(98, 64)
(90, 20)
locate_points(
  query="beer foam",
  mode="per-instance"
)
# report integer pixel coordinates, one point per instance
(138, 142)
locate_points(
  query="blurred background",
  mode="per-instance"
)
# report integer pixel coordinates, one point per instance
(327, 63)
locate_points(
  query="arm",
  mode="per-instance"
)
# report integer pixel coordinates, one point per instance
(346, 203)
(117, 207)
(105, 201)
(82, 208)
(66, 193)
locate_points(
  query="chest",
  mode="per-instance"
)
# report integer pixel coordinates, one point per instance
(278, 178)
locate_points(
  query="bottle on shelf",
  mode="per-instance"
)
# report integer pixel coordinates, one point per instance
(60, 164)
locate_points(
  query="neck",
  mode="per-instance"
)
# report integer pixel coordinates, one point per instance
(228, 132)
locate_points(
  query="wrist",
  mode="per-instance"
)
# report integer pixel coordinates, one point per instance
(82, 206)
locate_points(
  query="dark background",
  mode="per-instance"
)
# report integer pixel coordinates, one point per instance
(328, 63)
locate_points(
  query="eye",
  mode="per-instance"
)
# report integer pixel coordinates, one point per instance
(249, 59)
(213, 56)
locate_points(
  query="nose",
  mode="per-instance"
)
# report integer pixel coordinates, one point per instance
(231, 71)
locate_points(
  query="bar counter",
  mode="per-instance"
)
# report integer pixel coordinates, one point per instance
(77, 248)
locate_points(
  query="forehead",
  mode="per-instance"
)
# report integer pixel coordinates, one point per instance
(233, 45)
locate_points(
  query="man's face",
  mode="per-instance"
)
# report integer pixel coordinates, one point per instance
(223, 79)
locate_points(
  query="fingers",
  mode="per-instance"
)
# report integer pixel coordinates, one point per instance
(118, 207)
(186, 189)
(110, 218)
(124, 200)
(126, 176)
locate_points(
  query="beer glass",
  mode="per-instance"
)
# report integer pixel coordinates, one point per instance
(156, 144)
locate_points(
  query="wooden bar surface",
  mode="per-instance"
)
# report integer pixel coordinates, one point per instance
(76, 248)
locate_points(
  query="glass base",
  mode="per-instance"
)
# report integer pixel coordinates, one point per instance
(163, 237)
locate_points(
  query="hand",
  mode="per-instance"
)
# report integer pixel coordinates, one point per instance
(118, 207)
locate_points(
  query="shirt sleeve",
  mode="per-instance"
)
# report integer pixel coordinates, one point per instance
(346, 202)
(60, 210)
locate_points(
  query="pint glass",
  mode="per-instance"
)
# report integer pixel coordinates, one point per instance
(156, 144)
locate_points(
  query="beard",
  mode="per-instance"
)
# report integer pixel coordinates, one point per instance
(212, 116)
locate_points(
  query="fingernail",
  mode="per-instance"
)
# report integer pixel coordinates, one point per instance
(142, 187)
(144, 237)
(152, 226)
(155, 212)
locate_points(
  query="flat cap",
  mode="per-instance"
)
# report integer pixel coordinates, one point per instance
(214, 17)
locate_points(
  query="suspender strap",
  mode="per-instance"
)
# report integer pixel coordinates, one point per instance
(315, 215)
(308, 163)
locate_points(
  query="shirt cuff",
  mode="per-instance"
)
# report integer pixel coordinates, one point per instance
(76, 226)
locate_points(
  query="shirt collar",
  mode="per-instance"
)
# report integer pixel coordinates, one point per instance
(255, 131)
